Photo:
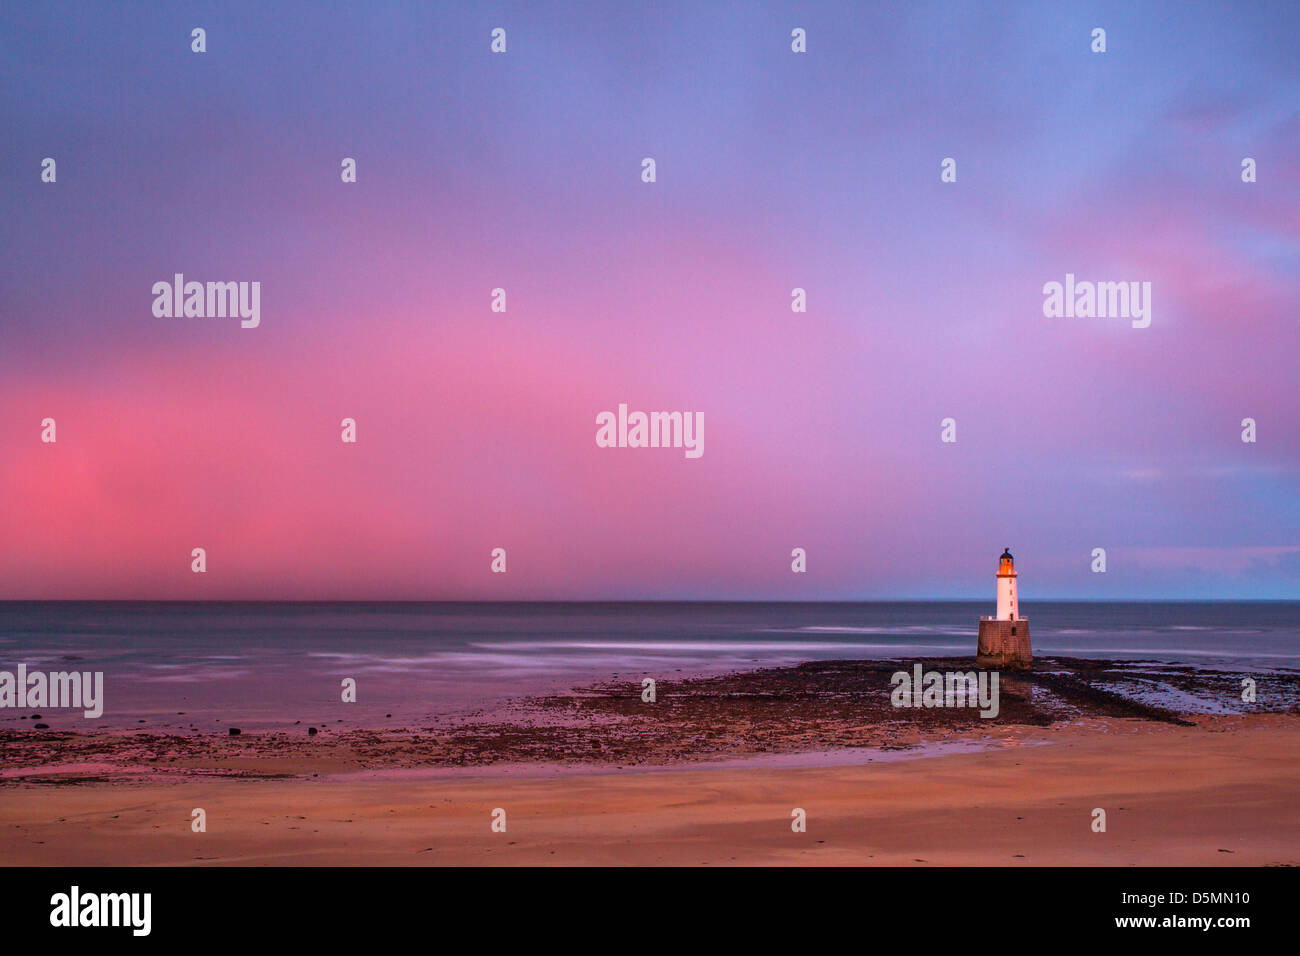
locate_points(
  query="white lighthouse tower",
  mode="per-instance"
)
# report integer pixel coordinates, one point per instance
(1004, 638)
(1008, 606)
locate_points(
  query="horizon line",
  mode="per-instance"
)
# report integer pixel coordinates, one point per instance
(923, 600)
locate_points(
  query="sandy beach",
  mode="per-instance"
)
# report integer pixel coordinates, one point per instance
(708, 777)
(1220, 793)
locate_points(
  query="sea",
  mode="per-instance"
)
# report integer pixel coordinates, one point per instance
(181, 666)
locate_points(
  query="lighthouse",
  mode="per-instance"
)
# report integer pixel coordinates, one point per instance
(1004, 638)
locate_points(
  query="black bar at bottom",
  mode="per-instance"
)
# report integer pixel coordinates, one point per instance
(472, 905)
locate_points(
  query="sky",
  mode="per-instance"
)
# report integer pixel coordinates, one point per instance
(775, 170)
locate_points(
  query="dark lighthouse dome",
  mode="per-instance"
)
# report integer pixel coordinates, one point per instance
(1006, 555)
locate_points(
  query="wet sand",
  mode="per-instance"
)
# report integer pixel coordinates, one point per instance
(708, 774)
(1219, 793)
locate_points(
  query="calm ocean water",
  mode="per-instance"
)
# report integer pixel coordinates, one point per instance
(261, 666)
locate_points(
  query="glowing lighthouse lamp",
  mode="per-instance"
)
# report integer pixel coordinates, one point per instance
(1004, 639)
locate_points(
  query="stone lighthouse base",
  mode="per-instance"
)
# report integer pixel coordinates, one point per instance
(1004, 644)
